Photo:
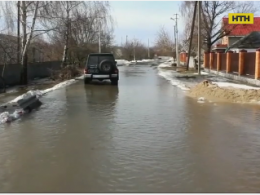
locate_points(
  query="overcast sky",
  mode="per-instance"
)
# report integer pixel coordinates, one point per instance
(142, 19)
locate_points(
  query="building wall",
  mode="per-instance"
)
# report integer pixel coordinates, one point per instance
(224, 40)
(232, 40)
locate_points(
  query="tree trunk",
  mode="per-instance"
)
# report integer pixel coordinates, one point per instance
(65, 50)
(18, 32)
(23, 77)
(209, 47)
(26, 42)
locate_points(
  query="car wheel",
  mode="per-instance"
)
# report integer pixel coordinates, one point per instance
(87, 81)
(114, 82)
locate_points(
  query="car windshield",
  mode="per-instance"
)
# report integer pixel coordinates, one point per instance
(97, 59)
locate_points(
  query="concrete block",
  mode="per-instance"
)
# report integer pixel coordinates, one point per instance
(30, 103)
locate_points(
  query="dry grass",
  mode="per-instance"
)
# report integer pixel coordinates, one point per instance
(169, 68)
(184, 71)
(66, 73)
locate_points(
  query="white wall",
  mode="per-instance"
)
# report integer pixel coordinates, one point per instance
(191, 62)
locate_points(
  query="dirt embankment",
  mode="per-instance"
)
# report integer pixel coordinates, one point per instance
(213, 92)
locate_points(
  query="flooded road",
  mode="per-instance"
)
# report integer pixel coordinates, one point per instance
(142, 136)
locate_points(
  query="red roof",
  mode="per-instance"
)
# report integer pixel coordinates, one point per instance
(241, 29)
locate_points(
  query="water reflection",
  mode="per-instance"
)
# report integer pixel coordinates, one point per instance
(223, 146)
(148, 137)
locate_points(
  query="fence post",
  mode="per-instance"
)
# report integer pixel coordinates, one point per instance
(257, 64)
(211, 61)
(218, 60)
(206, 59)
(228, 62)
(241, 62)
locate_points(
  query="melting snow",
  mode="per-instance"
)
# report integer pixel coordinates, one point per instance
(201, 100)
(168, 75)
(122, 62)
(234, 85)
(202, 73)
(168, 63)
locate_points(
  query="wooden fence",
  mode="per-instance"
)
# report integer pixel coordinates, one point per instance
(242, 63)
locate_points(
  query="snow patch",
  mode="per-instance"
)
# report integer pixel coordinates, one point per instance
(40, 93)
(168, 75)
(122, 62)
(6, 117)
(234, 85)
(167, 63)
(201, 100)
(143, 60)
(202, 73)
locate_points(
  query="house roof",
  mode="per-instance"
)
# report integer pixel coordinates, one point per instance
(241, 29)
(251, 41)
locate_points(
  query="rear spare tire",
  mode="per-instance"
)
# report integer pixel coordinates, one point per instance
(105, 66)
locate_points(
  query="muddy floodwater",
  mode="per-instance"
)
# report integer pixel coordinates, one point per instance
(143, 136)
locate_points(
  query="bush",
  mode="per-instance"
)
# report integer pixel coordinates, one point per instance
(65, 73)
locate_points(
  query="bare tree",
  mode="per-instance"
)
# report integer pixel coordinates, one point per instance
(76, 27)
(212, 13)
(164, 44)
(72, 28)
(134, 49)
(26, 9)
(187, 9)
(29, 11)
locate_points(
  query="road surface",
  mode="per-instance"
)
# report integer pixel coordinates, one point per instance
(142, 136)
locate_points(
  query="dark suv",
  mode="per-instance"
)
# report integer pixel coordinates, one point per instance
(101, 66)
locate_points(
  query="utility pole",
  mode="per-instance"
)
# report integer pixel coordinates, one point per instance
(176, 38)
(134, 48)
(18, 32)
(191, 34)
(199, 36)
(148, 50)
(175, 41)
(99, 40)
(126, 40)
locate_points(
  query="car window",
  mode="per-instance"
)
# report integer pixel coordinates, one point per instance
(93, 60)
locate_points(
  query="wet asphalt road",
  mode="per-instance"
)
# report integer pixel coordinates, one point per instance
(143, 136)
